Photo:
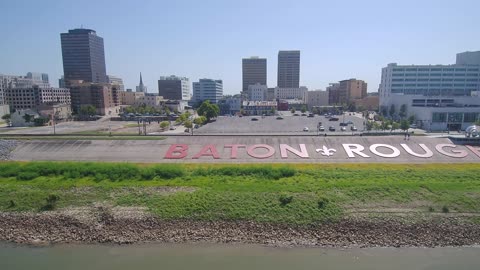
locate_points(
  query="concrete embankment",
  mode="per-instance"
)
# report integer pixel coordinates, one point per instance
(248, 149)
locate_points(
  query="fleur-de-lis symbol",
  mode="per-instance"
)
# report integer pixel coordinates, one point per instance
(325, 151)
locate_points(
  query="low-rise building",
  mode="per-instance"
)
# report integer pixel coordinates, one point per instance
(257, 92)
(104, 97)
(316, 98)
(56, 112)
(32, 97)
(129, 97)
(259, 107)
(370, 103)
(155, 101)
(230, 105)
(24, 118)
(346, 91)
(207, 89)
(290, 93)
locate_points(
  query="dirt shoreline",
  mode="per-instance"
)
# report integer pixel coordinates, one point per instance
(54, 228)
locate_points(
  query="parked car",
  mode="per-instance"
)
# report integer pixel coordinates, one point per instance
(296, 114)
(279, 118)
(343, 124)
(305, 129)
(311, 115)
(172, 128)
(187, 130)
(254, 119)
(333, 119)
(349, 123)
(321, 128)
(343, 129)
(304, 114)
(331, 128)
(353, 128)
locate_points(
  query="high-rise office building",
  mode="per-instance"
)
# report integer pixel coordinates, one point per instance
(207, 89)
(288, 75)
(174, 88)
(254, 70)
(83, 56)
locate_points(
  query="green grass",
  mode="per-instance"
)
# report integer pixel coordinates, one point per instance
(277, 193)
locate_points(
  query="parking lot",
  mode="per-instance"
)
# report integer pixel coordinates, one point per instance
(290, 124)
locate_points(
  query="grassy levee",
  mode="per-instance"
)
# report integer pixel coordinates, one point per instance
(276, 193)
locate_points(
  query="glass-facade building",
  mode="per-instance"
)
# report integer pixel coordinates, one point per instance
(207, 89)
(83, 56)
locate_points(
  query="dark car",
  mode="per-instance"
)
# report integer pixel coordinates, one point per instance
(333, 119)
(279, 118)
(311, 115)
(254, 119)
(304, 114)
(343, 124)
(331, 128)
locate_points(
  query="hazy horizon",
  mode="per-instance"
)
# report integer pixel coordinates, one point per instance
(340, 40)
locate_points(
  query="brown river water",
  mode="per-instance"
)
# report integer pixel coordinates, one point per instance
(212, 257)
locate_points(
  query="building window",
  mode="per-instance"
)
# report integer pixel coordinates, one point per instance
(439, 117)
(470, 117)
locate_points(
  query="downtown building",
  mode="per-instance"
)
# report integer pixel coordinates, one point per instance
(117, 81)
(440, 97)
(207, 89)
(174, 88)
(254, 71)
(31, 91)
(288, 73)
(106, 98)
(83, 56)
(346, 92)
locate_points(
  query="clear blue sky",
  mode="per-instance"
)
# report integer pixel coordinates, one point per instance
(207, 39)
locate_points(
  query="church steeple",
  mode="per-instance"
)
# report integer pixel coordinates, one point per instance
(141, 87)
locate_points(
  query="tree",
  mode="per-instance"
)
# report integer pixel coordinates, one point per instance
(404, 125)
(376, 126)
(403, 111)
(38, 122)
(292, 110)
(383, 111)
(392, 110)
(395, 126)
(164, 124)
(304, 109)
(7, 118)
(89, 110)
(272, 111)
(208, 110)
(411, 119)
(188, 124)
(384, 125)
(28, 118)
(200, 120)
(352, 107)
(369, 125)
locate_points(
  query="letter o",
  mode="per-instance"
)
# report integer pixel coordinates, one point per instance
(251, 151)
(395, 153)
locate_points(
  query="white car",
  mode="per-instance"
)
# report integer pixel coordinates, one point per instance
(343, 129)
(321, 128)
(305, 129)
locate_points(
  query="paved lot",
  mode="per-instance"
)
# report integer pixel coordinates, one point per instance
(288, 125)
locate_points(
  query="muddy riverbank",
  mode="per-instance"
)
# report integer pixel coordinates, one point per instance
(51, 228)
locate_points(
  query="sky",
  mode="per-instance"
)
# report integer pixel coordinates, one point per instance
(207, 39)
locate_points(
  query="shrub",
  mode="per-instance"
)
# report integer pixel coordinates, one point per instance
(25, 176)
(11, 204)
(285, 199)
(322, 202)
(445, 209)
(51, 202)
(431, 209)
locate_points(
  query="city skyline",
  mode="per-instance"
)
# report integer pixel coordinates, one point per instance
(331, 50)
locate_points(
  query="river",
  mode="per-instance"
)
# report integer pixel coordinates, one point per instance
(206, 256)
